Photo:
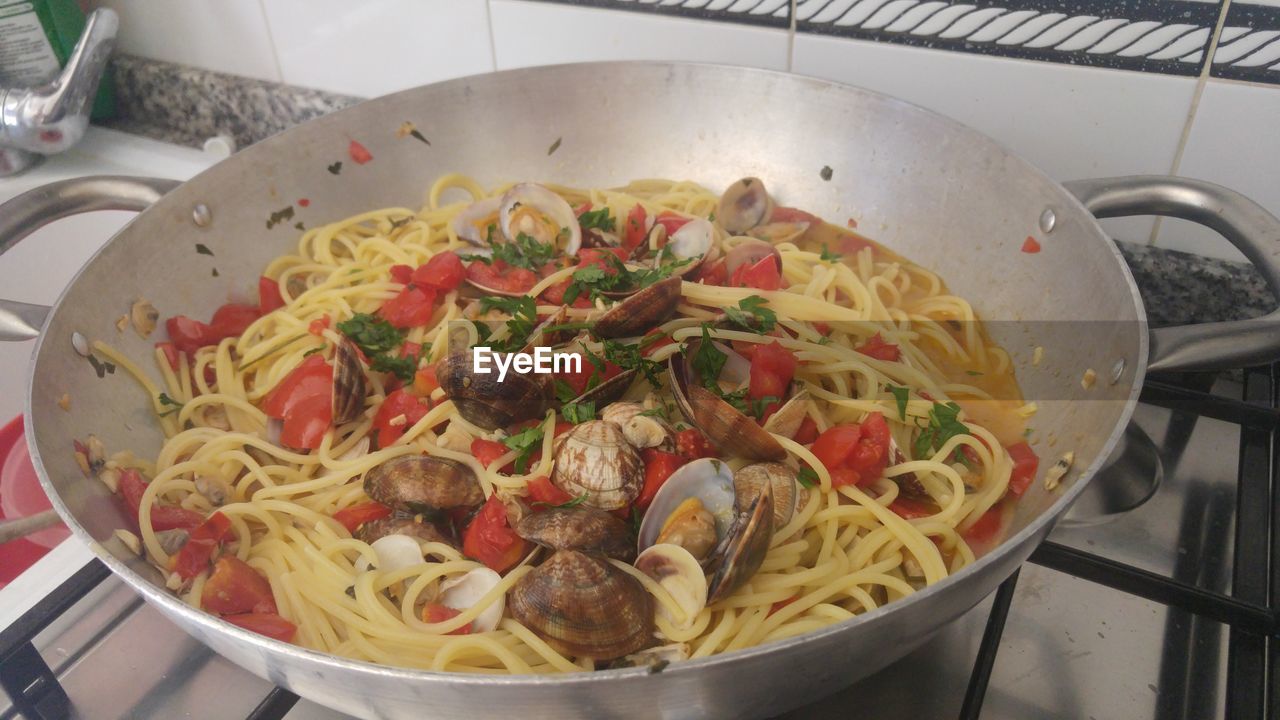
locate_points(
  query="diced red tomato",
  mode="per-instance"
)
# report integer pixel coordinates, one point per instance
(172, 517)
(400, 402)
(131, 487)
(231, 320)
(304, 401)
(633, 229)
(411, 308)
(435, 612)
(671, 221)
(790, 214)
(170, 354)
(490, 539)
(854, 454)
(772, 368)
(714, 273)
(1025, 464)
(692, 444)
(578, 381)
(597, 257)
(542, 490)
(871, 456)
(911, 509)
(877, 348)
(235, 587)
(402, 274)
(835, 445)
(808, 431)
(194, 556)
(782, 603)
(501, 276)
(425, 381)
(356, 515)
(985, 529)
(269, 624)
(359, 153)
(187, 335)
(319, 325)
(762, 275)
(658, 466)
(269, 297)
(1030, 245)
(488, 451)
(443, 272)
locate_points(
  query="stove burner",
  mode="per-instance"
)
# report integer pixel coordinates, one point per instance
(1129, 477)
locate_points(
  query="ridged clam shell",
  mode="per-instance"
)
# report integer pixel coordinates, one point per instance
(731, 431)
(585, 529)
(782, 479)
(595, 458)
(382, 527)
(744, 205)
(490, 404)
(641, 311)
(350, 385)
(419, 483)
(584, 607)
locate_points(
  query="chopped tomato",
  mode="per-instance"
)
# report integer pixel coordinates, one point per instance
(595, 257)
(762, 275)
(187, 335)
(842, 476)
(542, 490)
(488, 451)
(985, 529)
(269, 297)
(319, 325)
(808, 431)
(561, 428)
(231, 320)
(692, 444)
(399, 403)
(235, 587)
(501, 276)
(425, 381)
(772, 368)
(782, 603)
(490, 539)
(269, 624)
(854, 454)
(194, 556)
(658, 466)
(411, 308)
(871, 455)
(835, 445)
(354, 516)
(877, 348)
(634, 230)
(911, 509)
(443, 272)
(671, 221)
(172, 517)
(402, 274)
(170, 354)
(304, 401)
(790, 214)
(1030, 245)
(715, 273)
(1025, 464)
(435, 612)
(578, 381)
(359, 153)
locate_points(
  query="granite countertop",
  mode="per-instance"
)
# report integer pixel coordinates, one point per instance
(186, 106)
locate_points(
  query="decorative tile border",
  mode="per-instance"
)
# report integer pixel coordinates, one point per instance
(770, 13)
(1249, 48)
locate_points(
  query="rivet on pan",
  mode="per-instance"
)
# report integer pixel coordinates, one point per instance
(201, 216)
(1117, 370)
(80, 343)
(1047, 220)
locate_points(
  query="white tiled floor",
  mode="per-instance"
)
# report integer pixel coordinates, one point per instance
(376, 47)
(531, 33)
(1073, 122)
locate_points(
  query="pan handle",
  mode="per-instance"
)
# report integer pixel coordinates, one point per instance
(32, 210)
(1256, 232)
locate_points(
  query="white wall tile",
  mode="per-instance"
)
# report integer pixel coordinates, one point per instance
(1072, 122)
(532, 33)
(1234, 141)
(224, 35)
(375, 47)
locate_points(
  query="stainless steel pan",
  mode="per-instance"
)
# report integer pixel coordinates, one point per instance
(932, 189)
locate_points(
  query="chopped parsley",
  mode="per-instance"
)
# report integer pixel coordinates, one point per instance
(524, 318)
(597, 220)
(943, 424)
(828, 256)
(525, 252)
(628, 357)
(900, 394)
(660, 411)
(174, 405)
(759, 405)
(752, 315)
(708, 361)
(371, 334)
(577, 413)
(525, 443)
(564, 391)
(314, 350)
(807, 477)
(595, 280)
(401, 367)
(575, 502)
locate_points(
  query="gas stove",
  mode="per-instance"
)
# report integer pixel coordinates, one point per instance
(1155, 598)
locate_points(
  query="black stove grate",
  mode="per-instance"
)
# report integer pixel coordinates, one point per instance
(1251, 612)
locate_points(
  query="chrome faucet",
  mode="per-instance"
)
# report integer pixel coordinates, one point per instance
(49, 119)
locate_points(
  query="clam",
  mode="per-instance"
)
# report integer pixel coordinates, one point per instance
(609, 390)
(472, 223)
(679, 573)
(533, 210)
(490, 404)
(419, 483)
(422, 531)
(585, 529)
(749, 251)
(786, 420)
(782, 482)
(641, 430)
(744, 205)
(708, 481)
(584, 607)
(214, 489)
(726, 427)
(641, 311)
(654, 658)
(350, 385)
(744, 548)
(595, 459)
(694, 240)
(690, 527)
(779, 232)
(464, 591)
(541, 336)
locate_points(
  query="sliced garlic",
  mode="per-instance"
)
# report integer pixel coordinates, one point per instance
(129, 540)
(1053, 476)
(464, 591)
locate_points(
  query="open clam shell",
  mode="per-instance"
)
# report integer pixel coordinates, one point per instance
(533, 210)
(490, 404)
(585, 529)
(726, 427)
(707, 479)
(350, 384)
(641, 311)
(679, 573)
(695, 239)
(749, 251)
(786, 420)
(744, 205)
(744, 548)
(609, 390)
(749, 480)
(472, 223)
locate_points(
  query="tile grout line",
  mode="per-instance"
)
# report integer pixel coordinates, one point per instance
(271, 37)
(493, 46)
(791, 36)
(1206, 72)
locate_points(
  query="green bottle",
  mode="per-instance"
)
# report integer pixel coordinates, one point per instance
(36, 37)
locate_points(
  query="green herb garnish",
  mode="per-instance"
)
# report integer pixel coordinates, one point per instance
(708, 361)
(807, 477)
(525, 252)
(564, 391)
(628, 357)
(371, 334)
(314, 350)
(566, 504)
(660, 411)
(524, 317)
(973, 373)
(597, 220)
(174, 405)
(752, 315)
(577, 413)
(900, 394)
(943, 424)
(401, 367)
(828, 256)
(525, 443)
